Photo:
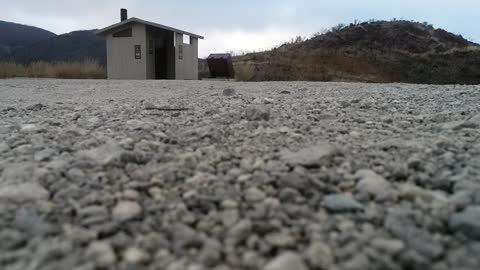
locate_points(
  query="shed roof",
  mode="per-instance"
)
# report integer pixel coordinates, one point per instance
(219, 56)
(137, 20)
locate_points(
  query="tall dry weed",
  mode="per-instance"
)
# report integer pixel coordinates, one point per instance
(11, 70)
(88, 69)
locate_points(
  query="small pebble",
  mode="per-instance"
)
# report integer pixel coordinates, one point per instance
(126, 210)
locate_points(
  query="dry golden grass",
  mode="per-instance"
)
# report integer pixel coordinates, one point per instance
(10, 70)
(456, 66)
(88, 69)
(244, 71)
(304, 64)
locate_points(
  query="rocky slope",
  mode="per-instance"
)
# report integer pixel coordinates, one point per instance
(223, 175)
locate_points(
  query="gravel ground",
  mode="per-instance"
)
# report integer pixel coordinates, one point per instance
(223, 175)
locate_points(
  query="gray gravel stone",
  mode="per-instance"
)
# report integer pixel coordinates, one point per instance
(28, 220)
(44, 155)
(310, 156)
(257, 113)
(93, 210)
(414, 192)
(29, 128)
(228, 92)
(11, 239)
(101, 253)
(240, 231)
(373, 184)
(359, 262)
(465, 256)
(4, 147)
(319, 255)
(104, 155)
(79, 235)
(206, 182)
(286, 261)
(136, 256)
(401, 225)
(280, 239)
(254, 195)
(126, 210)
(36, 107)
(185, 237)
(229, 204)
(22, 192)
(467, 221)
(268, 101)
(296, 180)
(341, 203)
(389, 246)
(230, 217)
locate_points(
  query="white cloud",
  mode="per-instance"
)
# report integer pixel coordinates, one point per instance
(64, 16)
(219, 21)
(245, 41)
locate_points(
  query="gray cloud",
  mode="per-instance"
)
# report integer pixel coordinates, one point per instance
(251, 18)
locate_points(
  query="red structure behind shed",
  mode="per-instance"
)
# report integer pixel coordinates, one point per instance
(220, 65)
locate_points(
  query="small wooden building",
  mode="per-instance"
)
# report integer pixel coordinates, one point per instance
(142, 50)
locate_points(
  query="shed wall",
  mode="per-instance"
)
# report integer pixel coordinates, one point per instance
(150, 57)
(121, 62)
(187, 62)
(178, 61)
(194, 42)
(186, 65)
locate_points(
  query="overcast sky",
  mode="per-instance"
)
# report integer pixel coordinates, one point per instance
(243, 25)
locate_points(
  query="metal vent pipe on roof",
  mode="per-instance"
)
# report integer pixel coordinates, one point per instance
(123, 14)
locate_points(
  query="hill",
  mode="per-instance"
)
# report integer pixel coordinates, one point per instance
(25, 44)
(15, 36)
(375, 51)
(19, 35)
(74, 46)
(405, 36)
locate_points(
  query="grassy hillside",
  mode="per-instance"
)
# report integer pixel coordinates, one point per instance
(379, 51)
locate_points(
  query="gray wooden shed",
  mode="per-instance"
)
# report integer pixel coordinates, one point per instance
(142, 50)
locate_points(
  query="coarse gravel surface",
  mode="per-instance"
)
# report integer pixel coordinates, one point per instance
(223, 175)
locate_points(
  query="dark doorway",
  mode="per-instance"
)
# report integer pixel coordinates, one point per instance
(160, 63)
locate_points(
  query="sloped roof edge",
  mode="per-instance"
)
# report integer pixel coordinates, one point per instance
(137, 20)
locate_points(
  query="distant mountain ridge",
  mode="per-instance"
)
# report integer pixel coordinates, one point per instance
(26, 44)
(19, 35)
(74, 46)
